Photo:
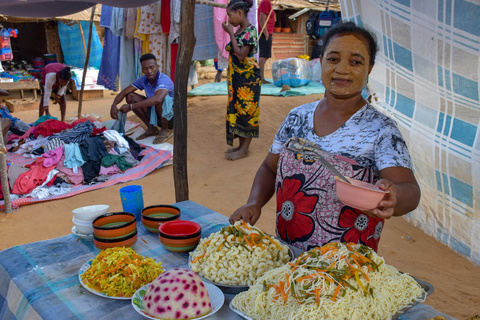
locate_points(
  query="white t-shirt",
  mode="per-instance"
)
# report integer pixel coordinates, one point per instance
(369, 137)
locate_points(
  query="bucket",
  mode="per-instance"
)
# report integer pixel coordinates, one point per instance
(132, 200)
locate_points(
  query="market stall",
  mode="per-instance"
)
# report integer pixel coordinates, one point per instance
(41, 280)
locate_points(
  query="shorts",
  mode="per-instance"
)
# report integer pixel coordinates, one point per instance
(265, 46)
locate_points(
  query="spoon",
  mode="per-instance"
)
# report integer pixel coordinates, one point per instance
(332, 169)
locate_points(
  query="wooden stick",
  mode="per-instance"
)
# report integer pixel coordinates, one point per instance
(266, 21)
(85, 68)
(211, 3)
(182, 69)
(4, 176)
(83, 38)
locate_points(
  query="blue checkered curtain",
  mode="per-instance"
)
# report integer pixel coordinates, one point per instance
(427, 78)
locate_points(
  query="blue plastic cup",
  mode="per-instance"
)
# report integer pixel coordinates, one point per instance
(132, 200)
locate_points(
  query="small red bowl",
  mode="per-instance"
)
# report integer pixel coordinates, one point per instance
(114, 225)
(179, 235)
(154, 216)
(127, 241)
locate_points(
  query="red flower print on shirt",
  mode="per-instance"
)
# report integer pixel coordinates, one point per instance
(360, 227)
(293, 206)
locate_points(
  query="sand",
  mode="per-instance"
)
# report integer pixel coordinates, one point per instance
(224, 185)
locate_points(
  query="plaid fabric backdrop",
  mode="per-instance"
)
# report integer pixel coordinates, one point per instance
(426, 78)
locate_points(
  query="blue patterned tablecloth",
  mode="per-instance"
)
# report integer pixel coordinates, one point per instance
(40, 280)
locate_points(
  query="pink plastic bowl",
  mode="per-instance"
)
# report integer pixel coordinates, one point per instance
(360, 195)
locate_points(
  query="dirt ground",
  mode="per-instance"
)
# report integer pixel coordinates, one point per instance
(224, 185)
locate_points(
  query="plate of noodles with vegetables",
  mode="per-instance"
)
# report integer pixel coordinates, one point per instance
(234, 257)
(336, 281)
(116, 273)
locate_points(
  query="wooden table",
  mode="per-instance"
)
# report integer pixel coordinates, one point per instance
(21, 85)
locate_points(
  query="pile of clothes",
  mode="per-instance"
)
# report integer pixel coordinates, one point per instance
(67, 154)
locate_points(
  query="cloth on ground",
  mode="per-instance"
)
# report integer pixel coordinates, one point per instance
(107, 171)
(93, 150)
(50, 127)
(114, 136)
(73, 156)
(220, 88)
(14, 171)
(53, 144)
(33, 178)
(52, 157)
(135, 148)
(110, 159)
(4, 113)
(78, 133)
(21, 125)
(41, 192)
(43, 119)
(130, 158)
(119, 124)
(69, 174)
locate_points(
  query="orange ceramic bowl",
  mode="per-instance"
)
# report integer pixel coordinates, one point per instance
(127, 241)
(360, 195)
(179, 235)
(114, 225)
(154, 216)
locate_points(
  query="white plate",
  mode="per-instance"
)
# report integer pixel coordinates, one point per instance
(81, 235)
(234, 289)
(84, 268)
(216, 298)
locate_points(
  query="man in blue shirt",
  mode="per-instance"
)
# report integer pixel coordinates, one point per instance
(158, 103)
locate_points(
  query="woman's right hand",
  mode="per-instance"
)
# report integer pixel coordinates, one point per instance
(249, 213)
(227, 27)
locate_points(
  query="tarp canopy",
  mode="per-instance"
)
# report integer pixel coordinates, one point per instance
(83, 15)
(55, 8)
(318, 5)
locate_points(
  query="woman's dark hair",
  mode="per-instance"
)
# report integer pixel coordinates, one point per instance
(147, 56)
(351, 28)
(65, 74)
(235, 5)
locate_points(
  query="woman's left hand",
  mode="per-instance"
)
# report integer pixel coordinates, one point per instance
(227, 27)
(386, 206)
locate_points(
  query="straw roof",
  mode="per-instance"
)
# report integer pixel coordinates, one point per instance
(319, 5)
(83, 15)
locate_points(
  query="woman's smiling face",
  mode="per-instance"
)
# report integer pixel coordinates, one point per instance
(346, 65)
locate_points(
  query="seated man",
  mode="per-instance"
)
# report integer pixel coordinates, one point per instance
(158, 103)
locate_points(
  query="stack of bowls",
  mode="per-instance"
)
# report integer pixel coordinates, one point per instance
(116, 229)
(84, 216)
(179, 235)
(154, 216)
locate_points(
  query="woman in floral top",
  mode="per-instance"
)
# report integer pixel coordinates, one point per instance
(244, 80)
(359, 140)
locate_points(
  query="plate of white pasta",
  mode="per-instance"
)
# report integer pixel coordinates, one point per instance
(234, 257)
(336, 281)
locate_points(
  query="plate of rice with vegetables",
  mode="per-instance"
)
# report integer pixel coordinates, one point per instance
(116, 273)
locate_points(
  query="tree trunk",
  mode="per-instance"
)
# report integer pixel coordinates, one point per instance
(4, 176)
(182, 68)
(85, 68)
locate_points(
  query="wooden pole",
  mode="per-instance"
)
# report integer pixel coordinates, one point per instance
(4, 177)
(83, 38)
(211, 3)
(182, 69)
(85, 68)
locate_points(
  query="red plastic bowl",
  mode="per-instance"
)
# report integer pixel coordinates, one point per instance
(180, 235)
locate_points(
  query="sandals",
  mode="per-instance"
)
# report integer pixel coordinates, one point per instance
(145, 135)
(161, 139)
